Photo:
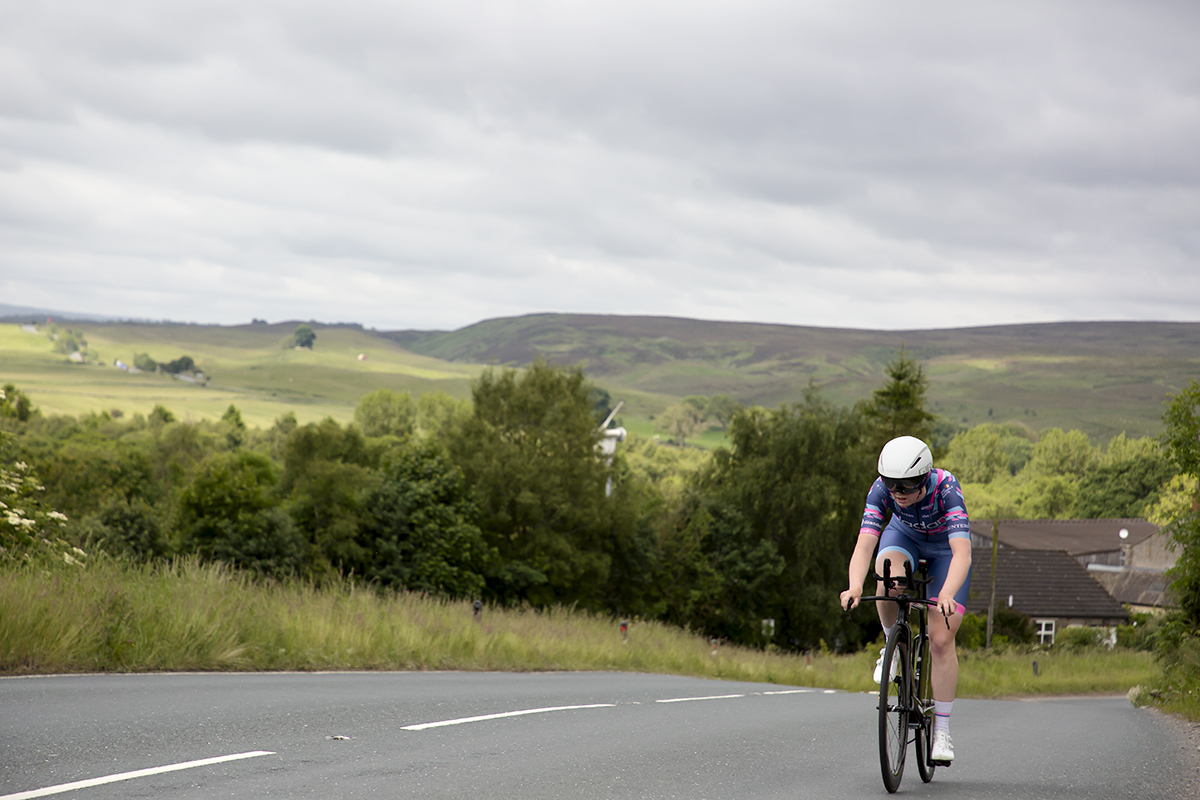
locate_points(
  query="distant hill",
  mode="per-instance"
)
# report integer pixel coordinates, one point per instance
(31, 314)
(1101, 377)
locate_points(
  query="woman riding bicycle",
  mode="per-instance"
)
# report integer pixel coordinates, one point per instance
(928, 521)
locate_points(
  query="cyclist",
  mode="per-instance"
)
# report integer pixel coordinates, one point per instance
(929, 521)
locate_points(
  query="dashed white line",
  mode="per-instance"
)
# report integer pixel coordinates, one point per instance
(426, 725)
(711, 697)
(484, 717)
(125, 776)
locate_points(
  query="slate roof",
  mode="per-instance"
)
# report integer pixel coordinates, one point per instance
(1138, 587)
(1076, 536)
(1043, 583)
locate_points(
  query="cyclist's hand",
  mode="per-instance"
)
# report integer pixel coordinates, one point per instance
(948, 606)
(849, 598)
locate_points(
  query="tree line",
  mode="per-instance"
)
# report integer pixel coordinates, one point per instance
(504, 498)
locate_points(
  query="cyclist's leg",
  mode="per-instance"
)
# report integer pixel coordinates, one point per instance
(896, 547)
(941, 637)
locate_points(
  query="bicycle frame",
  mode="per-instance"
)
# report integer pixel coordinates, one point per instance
(913, 691)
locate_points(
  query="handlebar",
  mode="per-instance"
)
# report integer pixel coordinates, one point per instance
(910, 580)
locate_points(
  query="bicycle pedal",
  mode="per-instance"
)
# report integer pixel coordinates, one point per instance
(940, 763)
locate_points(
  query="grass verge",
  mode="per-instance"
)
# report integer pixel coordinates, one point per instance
(120, 617)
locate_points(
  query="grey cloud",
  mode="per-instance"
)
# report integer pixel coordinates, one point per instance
(714, 159)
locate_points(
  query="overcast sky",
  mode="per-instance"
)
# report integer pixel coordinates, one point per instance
(431, 164)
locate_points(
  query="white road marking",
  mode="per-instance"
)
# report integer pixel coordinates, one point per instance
(444, 723)
(686, 699)
(125, 776)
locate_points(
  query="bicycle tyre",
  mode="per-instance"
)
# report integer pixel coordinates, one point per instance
(894, 708)
(924, 707)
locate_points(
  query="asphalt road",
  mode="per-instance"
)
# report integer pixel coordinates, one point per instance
(351, 735)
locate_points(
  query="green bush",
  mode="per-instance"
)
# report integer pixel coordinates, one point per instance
(1009, 626)
(1140, 633)
(1079, 638)
(972, 635)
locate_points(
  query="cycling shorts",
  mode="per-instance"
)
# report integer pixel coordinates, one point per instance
(914, 546)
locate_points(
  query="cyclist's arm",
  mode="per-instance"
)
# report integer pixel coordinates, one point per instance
(860, 562)
(960, 567)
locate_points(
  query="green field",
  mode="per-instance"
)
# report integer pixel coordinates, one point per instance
(248, 366)
(1102, 378)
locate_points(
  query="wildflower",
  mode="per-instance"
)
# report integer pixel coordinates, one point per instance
(58, 515)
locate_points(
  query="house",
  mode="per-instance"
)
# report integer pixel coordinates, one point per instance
(1141, 589)
(1113, 542)
(1126, 556)
(1049, 586)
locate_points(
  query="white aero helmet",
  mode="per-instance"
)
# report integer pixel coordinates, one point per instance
(904, 462)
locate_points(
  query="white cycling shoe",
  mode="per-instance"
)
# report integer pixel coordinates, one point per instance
(943, 748)
(878, 674)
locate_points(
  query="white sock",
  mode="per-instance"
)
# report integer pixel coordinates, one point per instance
(941, 716)
(887, 631)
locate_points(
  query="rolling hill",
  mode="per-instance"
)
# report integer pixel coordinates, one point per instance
(1101, 377)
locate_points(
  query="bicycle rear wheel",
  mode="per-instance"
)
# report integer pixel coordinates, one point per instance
(924, 708)
(893, 708)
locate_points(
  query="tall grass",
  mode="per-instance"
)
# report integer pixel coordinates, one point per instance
(186, 616)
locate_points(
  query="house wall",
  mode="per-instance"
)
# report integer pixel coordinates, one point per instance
(1152, 553)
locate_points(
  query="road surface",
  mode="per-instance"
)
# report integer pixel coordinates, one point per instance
(583, 736)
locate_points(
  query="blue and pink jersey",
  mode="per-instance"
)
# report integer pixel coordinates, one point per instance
(940, 516)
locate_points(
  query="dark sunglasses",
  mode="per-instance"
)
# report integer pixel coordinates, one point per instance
(903, 485)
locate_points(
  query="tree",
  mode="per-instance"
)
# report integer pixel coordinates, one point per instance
(84, 477)
(15, 404)
(721, 407)
(528, 451)
(1179, 513)
(1062, 453)
(229, 512)
(439, 414)
(178, 365)
(386, 413)
(718, 574)
(133, 529)
(419, 532)
(976, 456)
(304, 336)
(898, 407)
(234, 427)
(798, 476)
(679, 422)
(1127, 481)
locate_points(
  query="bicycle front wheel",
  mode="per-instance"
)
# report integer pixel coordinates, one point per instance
(894, 708)
(924, 710)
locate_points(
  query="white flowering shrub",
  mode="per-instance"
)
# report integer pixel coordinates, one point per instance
(28, 530)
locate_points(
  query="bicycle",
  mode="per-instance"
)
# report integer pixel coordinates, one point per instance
(906, 701)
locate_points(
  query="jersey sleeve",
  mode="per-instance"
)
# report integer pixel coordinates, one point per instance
(876, 508)
(958, 525)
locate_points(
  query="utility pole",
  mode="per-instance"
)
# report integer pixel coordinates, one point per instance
(992, 592)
